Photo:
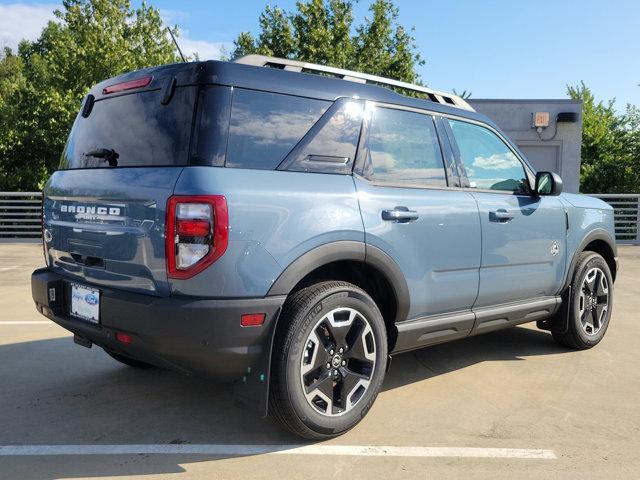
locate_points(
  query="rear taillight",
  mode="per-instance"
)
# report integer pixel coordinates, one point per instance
(197, 233)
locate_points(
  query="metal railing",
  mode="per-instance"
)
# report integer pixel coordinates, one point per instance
(20, 215)
(626, 212)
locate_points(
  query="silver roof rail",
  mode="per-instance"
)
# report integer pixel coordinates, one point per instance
(297, 66)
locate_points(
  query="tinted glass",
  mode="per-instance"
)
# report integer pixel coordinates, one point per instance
(404, 148)
(137, 127)
(266, 126)
(489, 163)
(330, 145)
(214, 108)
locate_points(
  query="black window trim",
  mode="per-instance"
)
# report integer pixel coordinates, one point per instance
(363, 149)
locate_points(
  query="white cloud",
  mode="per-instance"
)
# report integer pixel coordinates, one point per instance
(497, 161)
(21, 21)
(205, 50)
(172, 17)
(25, 21)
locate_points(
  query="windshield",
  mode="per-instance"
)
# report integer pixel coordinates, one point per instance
(133, 130)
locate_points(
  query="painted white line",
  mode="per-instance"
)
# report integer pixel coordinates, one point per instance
(27, 322)
(243, 450)
(4, 269)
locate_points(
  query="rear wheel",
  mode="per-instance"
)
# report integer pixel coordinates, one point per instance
(591, 303)
(131, 362)
(329, 360)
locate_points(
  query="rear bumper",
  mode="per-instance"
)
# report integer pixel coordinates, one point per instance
(191, 335)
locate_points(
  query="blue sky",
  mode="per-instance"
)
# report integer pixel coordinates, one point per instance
(495, 48)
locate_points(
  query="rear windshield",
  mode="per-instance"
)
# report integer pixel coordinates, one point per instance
(133, 130)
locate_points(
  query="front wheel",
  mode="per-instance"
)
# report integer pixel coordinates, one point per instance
(591, 303)
(329, 360)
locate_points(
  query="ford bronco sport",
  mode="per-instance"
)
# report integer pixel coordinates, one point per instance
(289, 226)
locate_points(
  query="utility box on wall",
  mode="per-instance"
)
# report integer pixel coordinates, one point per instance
(554, 147)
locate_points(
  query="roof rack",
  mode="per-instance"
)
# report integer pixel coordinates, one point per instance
(349, 75)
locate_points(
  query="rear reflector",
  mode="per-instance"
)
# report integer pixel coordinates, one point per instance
(252, 319)
(129, 85)
(123, 337)
(194, 228)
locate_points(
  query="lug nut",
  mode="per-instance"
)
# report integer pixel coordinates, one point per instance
(328, 365)
(341, 350)
(344, 362)
(331, 352)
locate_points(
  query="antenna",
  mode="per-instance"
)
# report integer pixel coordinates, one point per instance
(176, 43)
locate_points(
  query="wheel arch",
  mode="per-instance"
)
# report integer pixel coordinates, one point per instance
(598, 241)
(365, 266)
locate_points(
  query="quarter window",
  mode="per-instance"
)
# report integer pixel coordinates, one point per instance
(330, 145)
(266, 126)
(488, 162)
(403, 148)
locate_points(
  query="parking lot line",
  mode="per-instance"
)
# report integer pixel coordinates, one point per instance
(26, 322)
(225, 450)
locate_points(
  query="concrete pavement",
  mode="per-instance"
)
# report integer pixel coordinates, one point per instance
(514, 389)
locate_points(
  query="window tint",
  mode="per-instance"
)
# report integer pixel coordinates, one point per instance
(330, 146)
(214, 107)
(136, 127)
(403, 147)
(489, 163)
(266, 126)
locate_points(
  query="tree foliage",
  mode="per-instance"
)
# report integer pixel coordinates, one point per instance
(323, 32)
(42, 86)
(610, 145)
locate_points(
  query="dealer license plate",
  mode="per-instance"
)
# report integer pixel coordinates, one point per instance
(85, 303)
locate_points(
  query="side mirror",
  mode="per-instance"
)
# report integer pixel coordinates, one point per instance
(548, 183)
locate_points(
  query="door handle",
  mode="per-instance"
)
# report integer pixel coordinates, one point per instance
(399, 215)
(501, 216)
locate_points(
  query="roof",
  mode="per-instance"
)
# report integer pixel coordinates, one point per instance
(280, 81)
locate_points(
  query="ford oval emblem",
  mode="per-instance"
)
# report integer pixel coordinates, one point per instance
(91, 299)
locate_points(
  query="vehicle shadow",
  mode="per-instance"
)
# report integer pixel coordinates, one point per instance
(56, 393)
(510, 344)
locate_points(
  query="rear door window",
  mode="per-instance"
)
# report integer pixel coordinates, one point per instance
(403, 148)
(136, 127)
(266, 126)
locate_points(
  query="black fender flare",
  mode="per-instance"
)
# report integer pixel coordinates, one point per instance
(253, 390)
(346, 250)
(597, 234)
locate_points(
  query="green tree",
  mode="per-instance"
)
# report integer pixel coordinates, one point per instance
(91, 40)
(610, 145)
(322, 31)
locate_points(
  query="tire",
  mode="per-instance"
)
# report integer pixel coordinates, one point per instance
(316, 321)
(588, 322)
(130, 362)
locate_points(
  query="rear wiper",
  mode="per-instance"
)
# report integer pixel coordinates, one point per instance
(107, 154)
